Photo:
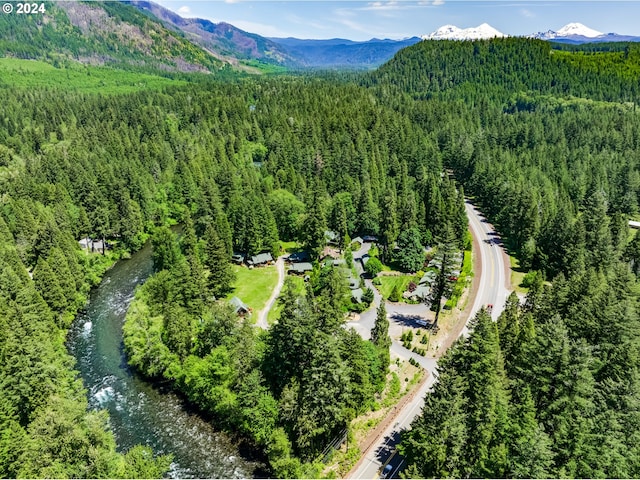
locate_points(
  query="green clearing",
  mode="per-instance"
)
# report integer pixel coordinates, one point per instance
(517, 275)
(18, 73)
(388, 282)
(254, 285)
(290, 247)
(299, 288)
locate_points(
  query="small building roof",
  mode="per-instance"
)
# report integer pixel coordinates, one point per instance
(300, 267)
(422, 292)
(330, 236)
(238, 306)
(634, 224)
(428, 277)
(238, 257)
(261, 258)
(370, 238)
(329, 252)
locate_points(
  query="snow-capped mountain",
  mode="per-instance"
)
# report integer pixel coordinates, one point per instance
(568, 31)
(577, 33)
(578, 29)
(451, 32)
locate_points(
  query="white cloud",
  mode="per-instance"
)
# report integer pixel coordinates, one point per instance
(527, 13)
(438, 2)
(184, 10)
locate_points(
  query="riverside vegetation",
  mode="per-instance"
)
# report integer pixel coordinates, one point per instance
(549, 147)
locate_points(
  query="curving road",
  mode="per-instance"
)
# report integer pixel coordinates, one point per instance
(495, 281)
(493, 288)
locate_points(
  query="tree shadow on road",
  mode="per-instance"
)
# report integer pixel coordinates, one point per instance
(384, 451)
(411, 320)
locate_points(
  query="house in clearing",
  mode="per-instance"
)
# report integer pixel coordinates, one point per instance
(300, 268)
(239, 307)
(260, 259)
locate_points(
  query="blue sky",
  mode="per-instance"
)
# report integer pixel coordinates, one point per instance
(365, 19)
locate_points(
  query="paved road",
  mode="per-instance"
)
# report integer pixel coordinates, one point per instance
(262, 314)
(492, 290)
(494, 283)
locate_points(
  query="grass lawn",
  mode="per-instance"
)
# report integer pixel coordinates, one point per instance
(299, 288)
(517, 275)
(387, 283)
(254, 286)
(291, 247)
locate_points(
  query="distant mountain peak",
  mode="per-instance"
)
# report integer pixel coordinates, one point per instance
(578, 29)
(570, 30)
(451, 32)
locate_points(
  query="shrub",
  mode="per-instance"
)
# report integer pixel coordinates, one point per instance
(373, 266)
(395, 294)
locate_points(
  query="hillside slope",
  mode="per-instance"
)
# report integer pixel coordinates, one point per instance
(100, 33)
(221, 39)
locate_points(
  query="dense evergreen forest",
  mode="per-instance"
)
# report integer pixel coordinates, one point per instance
(243, 164)
(547, 141)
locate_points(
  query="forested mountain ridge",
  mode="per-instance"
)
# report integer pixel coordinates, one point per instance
(228, 41)
(473, 70)
(99, 33)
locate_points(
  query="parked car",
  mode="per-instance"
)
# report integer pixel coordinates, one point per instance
(386, 471)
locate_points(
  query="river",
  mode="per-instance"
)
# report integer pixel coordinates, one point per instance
(142, 413)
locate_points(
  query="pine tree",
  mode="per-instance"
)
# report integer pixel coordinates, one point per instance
(441, 287)
(48, 286)
(166, 253)
(380, 338)
(221, 275)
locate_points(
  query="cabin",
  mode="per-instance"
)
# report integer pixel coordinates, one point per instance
(260, 259)
(239, 308)
(300, 268)
(370, 238)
